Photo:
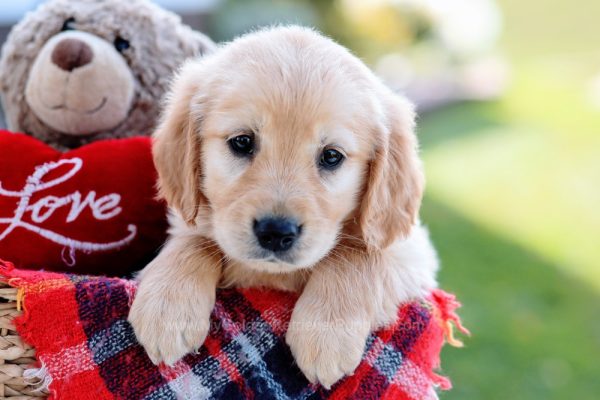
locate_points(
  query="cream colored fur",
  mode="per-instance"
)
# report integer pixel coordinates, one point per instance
(362, 250)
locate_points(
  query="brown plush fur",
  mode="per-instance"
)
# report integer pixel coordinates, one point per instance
(159, 43)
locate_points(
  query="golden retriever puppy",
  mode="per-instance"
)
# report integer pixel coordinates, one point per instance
(287, 164)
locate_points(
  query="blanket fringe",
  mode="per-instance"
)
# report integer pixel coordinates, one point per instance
(38, 378)
(447, 305)
(20, 298)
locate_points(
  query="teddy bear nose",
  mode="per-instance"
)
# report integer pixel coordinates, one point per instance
(71, 53)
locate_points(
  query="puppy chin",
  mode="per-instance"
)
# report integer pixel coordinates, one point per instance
(261, 260)
(273, 267)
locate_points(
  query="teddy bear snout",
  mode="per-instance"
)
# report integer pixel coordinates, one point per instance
(71, 53)
(80, 84)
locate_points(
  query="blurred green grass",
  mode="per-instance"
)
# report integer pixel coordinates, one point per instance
(535, 330)
(512, 205)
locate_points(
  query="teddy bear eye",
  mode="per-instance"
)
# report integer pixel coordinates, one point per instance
(121, 44)
(68, 25)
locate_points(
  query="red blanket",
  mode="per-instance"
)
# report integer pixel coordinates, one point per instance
(87, 350)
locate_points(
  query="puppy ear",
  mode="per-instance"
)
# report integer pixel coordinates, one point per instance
(395, 180)
(176, 148)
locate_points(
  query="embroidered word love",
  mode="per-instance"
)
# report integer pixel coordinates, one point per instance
(101, 208)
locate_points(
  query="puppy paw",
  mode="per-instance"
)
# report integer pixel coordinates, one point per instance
(170, 327)
(326, 351)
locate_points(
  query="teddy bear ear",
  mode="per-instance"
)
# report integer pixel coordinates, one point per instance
(205, 44)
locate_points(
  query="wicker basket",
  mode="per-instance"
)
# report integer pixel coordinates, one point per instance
(16, 357)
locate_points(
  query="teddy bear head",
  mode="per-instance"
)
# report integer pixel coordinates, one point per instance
(77, 71)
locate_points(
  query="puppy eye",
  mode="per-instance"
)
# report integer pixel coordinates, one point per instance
(331, 159)
(68, 25)
(242, 145)
(121, 44)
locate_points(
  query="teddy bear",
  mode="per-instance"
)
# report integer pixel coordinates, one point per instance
(83, 79)
(77, 71)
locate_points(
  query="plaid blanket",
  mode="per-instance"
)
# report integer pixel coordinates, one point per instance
(87, 350)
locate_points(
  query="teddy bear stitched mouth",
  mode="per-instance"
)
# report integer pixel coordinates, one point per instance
(91, 111)
(63, 105)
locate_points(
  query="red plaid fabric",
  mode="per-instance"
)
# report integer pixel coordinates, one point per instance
(87, 350)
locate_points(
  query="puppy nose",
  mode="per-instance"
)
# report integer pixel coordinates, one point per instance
(276, 234)
(71, 53)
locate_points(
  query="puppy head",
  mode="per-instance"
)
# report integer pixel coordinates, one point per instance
(282, 142)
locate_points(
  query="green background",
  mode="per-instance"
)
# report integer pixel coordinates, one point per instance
(512, 205)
